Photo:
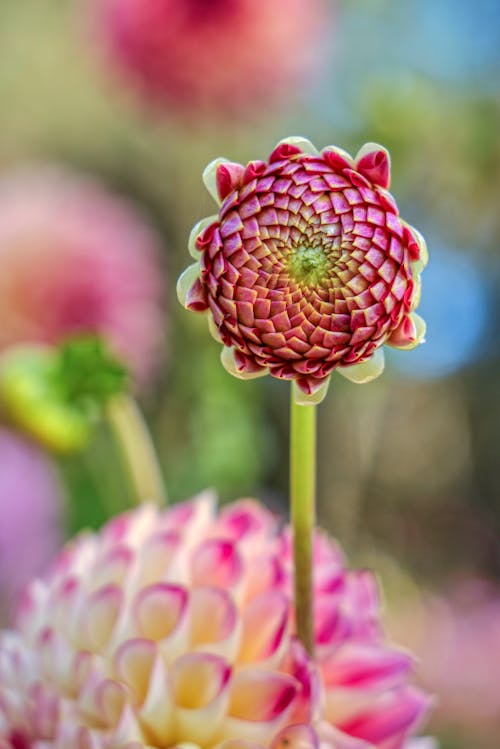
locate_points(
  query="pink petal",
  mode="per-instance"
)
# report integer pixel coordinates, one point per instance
(244, 518)
(113, 567)
(375, 165)
(365, 666)
(216, 562)
(214, 617)
(229, 177)
(265, 622)
(159, 609)
(196, 298)
(100, 616)
(158, 555)
(389, 722)
(253, 170)
(134, 662)
(111, 698)
(307, 707)
(201, 693)
(198, 679)
(405, 333)
(336, 160)
(283, 151)
(296, 737)
(260, 704)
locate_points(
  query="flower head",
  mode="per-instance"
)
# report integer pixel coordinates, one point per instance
(307, 268)
(77, 259)
(222, 56)
(30, 509)
(176, 627)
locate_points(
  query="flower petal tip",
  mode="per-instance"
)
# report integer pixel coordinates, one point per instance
(210, 177)
(366, 371)
(409, 334)
(190, 291)
(338, 158)
(374, 162)
(229, 176)
(310, 392)
(214, 330)
(302, 144)
(196, 232)
(239, 366)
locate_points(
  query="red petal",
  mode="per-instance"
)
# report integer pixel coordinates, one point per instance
(404, 334)
(310, 385)
(375, 166)
(283, 151)
(196, 299)
(254, 169)
(336, 161)
(229, 177)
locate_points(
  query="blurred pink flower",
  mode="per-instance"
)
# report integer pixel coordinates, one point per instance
(75, 258)
(30, 507)
(176, 627)
(458, 645)
(222, 56)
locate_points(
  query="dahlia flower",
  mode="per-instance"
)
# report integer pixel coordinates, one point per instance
(175, 627)
(218, 57)
(307, 268)
(76, 258)
(30, 509)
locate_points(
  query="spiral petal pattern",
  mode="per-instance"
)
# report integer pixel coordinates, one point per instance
(307, 268)
(176, 627)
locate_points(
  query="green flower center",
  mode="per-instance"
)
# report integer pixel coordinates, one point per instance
(309, 265)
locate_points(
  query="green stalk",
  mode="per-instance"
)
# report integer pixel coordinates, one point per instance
(303, 513)
(137, 449)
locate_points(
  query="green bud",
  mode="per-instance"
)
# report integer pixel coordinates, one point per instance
(55, 395)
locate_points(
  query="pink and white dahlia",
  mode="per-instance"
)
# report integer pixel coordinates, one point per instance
(307, 267)
(223, 56)
(77, 259)
(175, 627)
(30, 516)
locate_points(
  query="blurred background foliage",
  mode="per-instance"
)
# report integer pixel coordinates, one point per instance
(408, 464)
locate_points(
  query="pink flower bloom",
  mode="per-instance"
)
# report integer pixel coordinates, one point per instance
(222, 56)
(307, 267)
(176, 627)
(30, 507)
(75, 258)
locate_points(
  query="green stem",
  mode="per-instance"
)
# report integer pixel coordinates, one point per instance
(303, 512)
(137, 449)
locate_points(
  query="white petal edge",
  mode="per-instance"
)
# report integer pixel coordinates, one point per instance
(229, 364)
(304, 144)
(195, 233)
(344, 154)
(421, 328)
(185, 281)
(417, 293)
(302, 399)
(420, 264)
(210, 177)
(369, 148)
(213, 329)
(366, 371)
